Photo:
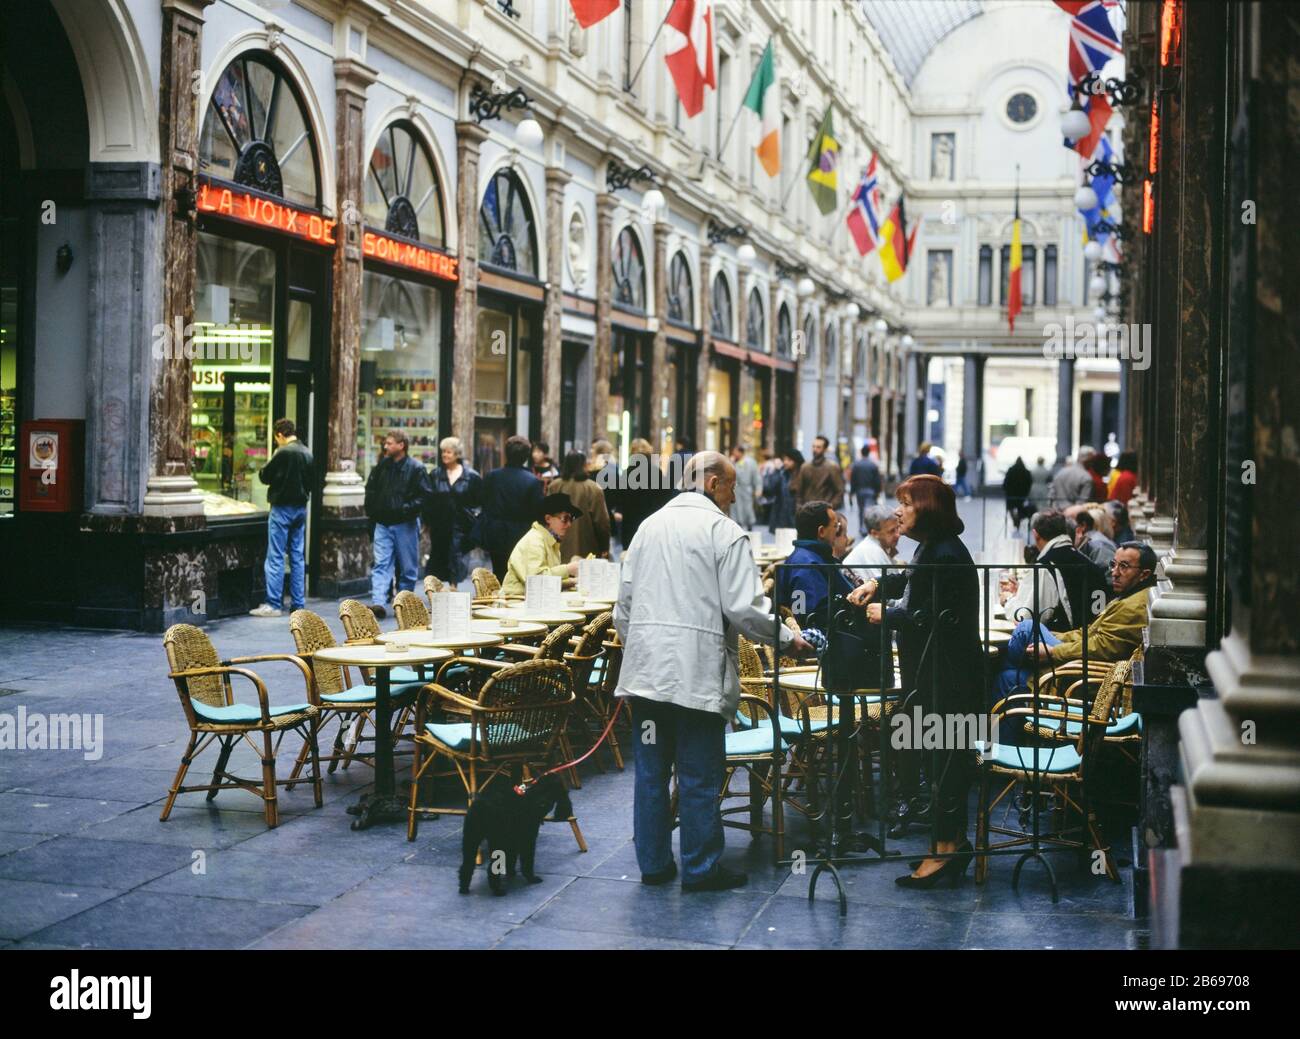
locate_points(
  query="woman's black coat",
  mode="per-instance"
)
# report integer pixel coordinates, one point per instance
(450, 517)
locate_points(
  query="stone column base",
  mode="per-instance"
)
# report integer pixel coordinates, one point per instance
(172, 496)
(344, 555)
(1178, 605)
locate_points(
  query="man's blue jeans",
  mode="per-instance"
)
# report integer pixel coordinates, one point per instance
(396, 546)
(1016, 674)
(664, 735)
(286, 528)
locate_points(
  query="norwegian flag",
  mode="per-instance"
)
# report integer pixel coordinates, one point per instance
(1092, 38)
(864, 224)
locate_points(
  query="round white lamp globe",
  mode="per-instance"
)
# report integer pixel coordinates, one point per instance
(1092, 251)
(1085, 198)
(881, 326)
(805, 288)
(852, 311)
(653, 201)
(745, 254)
(908, 342)
(1097, 285)
(529, 133)
(1075, 124)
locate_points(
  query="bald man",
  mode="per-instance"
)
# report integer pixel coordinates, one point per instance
(689, 588)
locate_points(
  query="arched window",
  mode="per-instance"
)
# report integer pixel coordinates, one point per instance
(784, 331)
(681, 293)
(256, 133)
(828, 351)
(402, 191)
(629, 270)
(506, 235)
(755, 323)
(720, 322)
(810, 340)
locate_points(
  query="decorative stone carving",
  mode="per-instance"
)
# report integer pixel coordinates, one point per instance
(576, 248)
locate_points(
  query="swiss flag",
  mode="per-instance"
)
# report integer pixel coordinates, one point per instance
(690, 51)
(589, 12)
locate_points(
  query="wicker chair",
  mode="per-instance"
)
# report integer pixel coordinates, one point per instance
(758, 750)
(515, 721)
(339, 698)
(204, 685)
(432, 585)
(485, 581)
(361, 628)
(1064, 771)
(410, 610)
(551, 647)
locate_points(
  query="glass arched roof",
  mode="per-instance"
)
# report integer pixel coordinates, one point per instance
(910, 29)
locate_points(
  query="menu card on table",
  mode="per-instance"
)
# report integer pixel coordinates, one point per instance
(449, 615)
(542, 594)
(785, 539)
(755, 540)
(598, 579)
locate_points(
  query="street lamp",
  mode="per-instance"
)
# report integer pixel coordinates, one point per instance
(852, 311)
(1085, 198)
(907, 341)
(1075, 124)
(1097, 285)
(1092, 251)
(881, 326)
(746, 254)
(805, 287)
(529, 133)
(653, 202)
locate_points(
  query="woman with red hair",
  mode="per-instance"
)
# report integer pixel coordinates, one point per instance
(934, 607)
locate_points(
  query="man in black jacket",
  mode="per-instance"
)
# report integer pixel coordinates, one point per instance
(396, 492)
(511, 497)
(290, 477)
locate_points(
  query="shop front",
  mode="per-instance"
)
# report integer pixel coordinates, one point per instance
(631, 389)
(508, 329)
(677, 412)
(259, 338)
(784, 399)
(406, 316)
(722, 402)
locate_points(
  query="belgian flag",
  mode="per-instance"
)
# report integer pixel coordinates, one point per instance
(1013, 279)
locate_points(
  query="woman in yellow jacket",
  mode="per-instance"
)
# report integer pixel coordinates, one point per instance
(538, 551)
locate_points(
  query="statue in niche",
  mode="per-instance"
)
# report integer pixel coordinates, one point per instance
(942, 148)
(937, 288)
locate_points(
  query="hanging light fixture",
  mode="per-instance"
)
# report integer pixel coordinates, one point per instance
(1092, 251)
(528, 134)
(1085, 197)
(805, 288)
(1098, 285)
(746, 254)
(653, 203)
(852, 311)
(881, 326)
(1075, 124)
(908, 342)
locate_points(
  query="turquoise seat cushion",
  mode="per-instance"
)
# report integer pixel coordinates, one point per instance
(366, 693)
(793, 727)
(751, 743)
(403, 675)
(455, 735)
(1048, 760)
(1130, 724)
(243, 713)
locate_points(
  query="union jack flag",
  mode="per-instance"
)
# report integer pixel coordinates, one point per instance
(1092, 38)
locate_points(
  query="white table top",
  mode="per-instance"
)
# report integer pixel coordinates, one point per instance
(423, 637)
(520, 629)
(809, 681)
(518, 613)
(588, 606)
(380, 656)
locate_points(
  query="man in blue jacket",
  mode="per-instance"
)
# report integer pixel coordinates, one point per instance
(511, 498)
(396, 492)
(801, 583)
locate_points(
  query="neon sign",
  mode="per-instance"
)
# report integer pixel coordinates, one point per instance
(257, 211)
(412, 255)
(1148, 206)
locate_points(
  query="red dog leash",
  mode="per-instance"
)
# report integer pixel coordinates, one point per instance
(522, 788)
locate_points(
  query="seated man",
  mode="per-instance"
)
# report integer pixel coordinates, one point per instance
(1064, 588)
(879, 547)
(1112, 636)
(802, 584)
(538, 551)
(1091, 539)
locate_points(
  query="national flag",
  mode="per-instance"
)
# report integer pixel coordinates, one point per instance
(823, 158)
(1093, 41)
(589, 12)
(1013, 280)
(1104, 185)
(863, 223)
(1098, 110)
(895, 243)
(762, 100)
(689, 51)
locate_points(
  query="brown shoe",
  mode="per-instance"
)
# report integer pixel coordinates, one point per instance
(379, 612)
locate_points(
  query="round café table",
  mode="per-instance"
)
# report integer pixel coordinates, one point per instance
(551, 618)
(424, 637)
(590, 607)
(519, 629)
(384, 806)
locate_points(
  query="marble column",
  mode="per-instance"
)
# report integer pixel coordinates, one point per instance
(1064, 408)
(744, 418)
(171, 493)
(706, 324)
(910, 407)
(1166, 316)
(344, 539)
(972, 410)
(469, 139)
(606, 203)
(552, 316)
(661, 376)
(772, 402)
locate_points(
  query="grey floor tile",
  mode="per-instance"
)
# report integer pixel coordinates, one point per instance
(120, 865)
(27, 906)
(150, 920)
(307, 879)
(207, 828)
(40, 813)
(1049, 930)
(13, 841)
(535, 936)
(788, 923)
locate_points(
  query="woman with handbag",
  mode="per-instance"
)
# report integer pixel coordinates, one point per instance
(934, 608)
(451, 512)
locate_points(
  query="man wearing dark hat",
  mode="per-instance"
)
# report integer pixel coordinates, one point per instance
(538, 551)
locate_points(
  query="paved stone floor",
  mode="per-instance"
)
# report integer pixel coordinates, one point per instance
(85, 862)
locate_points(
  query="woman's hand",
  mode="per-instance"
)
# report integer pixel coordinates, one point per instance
(875, 612)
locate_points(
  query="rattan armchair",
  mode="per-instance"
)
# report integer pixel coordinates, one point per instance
(515, 719)
(361, 627)
(759, 751)
(410, 611)
(486, 585)
(341, 700)
(1063, 770)
(433, 585)
(204, 684)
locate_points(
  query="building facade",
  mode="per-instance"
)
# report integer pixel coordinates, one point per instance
(226, 211)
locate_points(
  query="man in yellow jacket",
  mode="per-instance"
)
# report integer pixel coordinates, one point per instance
(538, 551)
(1112, 636)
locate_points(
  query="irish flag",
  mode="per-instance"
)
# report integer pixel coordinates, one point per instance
(761, 100)
(1013, 279)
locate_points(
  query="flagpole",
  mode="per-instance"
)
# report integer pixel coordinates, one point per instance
(649, 50)
(807, 157)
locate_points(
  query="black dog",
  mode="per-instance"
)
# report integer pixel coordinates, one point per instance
(509, 823)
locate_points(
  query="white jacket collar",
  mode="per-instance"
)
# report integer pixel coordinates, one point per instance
(693, 500)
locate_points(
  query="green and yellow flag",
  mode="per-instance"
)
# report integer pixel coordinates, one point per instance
(823, 159)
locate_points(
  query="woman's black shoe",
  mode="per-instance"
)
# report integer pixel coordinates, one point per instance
(908, 813)
(953, 870)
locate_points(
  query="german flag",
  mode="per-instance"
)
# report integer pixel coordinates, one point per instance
(1013, 280)
(895, 242)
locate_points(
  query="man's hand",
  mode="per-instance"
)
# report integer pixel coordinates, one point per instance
(862, 593)
(573, 567)
(799, 644)
(874, 612)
